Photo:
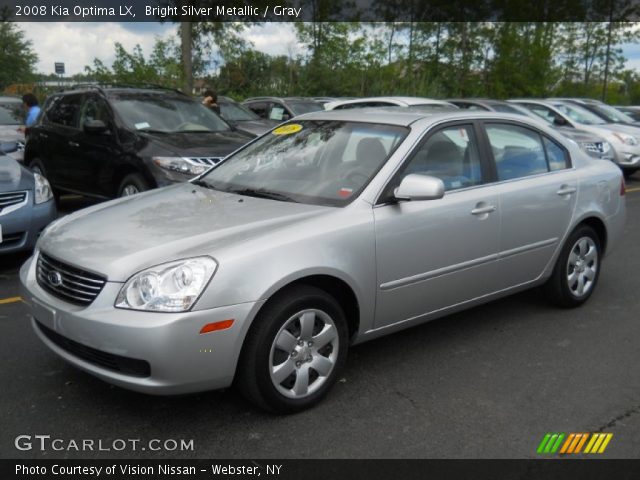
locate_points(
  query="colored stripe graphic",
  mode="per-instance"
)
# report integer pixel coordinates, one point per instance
(598, 442)
(550, 443)
(574, 443)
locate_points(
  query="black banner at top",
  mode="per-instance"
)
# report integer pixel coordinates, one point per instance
(319, 10)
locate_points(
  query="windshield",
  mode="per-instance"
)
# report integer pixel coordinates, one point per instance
(613, 114)
(167, 114)
(315, 162)
(298, 108)
(580, 115)
(234, 112)
(11, 113)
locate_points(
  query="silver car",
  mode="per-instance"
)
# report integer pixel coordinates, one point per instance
(622, 138)
(328, 231)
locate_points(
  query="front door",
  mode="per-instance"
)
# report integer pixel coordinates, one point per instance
(438, 253)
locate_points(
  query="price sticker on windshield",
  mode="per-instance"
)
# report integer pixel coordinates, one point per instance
(288, 129)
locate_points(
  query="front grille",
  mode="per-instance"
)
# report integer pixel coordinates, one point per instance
(68, 283)
(595, 147)
(117, 363)
(12, 198)
(211, 161)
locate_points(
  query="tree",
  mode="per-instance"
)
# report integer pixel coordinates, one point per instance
(17, 58)
(161, 68)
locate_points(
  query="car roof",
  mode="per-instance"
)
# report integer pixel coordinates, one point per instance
(391, 99)
(407, 117)
(10, 99)
(285, 99)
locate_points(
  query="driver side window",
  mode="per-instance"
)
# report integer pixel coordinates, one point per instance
(451, 155)
(94, 109)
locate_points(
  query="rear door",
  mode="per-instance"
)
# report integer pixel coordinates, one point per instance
(58, 139)
(538, 190)
(435, 254)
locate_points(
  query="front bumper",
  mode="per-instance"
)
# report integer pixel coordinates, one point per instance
(180, 359)
(21, 227)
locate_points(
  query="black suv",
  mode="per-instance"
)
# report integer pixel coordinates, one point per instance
(114, 141)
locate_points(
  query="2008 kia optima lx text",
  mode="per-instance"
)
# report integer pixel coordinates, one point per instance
(325, 232)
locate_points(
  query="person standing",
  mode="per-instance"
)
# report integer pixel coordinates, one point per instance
(211, 101)
(30, 103)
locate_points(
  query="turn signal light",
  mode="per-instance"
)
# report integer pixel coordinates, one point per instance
(215, 326)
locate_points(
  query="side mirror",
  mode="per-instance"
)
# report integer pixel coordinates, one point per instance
(419, 187)
(559, 121)
(95, 126)
(285, 117)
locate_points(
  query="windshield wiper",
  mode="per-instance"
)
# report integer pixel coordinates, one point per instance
(252, 192)
(202, 183)
(151, 130)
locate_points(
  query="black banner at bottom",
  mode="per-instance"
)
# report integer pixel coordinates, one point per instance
(200, 469)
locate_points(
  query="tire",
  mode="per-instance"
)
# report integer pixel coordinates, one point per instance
(627, 172)
(36, 166)
(302, 331)
(132, 184)
(577, 269)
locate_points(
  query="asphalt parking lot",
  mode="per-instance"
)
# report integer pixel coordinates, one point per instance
(485, 383)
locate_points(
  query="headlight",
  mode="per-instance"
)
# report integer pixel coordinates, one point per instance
(170, 287)
(42, 189)
(626, 138)
(180, 165)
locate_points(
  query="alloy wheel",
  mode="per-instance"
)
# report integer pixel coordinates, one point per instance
(304, 353)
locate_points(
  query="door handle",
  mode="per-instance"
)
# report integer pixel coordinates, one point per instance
(566, 190)
(481, 210)
(74, 144)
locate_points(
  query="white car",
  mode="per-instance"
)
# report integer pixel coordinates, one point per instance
(390, 102)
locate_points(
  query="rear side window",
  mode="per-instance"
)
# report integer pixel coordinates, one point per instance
(521, 152)
(259, 108)
(65, 111)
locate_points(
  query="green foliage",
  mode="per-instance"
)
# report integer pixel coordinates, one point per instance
(161, 68)
(428, 59)
(17, 58)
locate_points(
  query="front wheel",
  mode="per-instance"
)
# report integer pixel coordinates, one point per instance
(577, 269)
(294, 351)
(132, 184)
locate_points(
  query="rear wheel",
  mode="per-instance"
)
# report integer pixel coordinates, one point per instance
(294, 351)
(132, 184)
(577, 269)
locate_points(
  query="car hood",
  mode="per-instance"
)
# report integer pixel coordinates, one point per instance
(255, 127)
(14, 176)
(11, 133)
(201, 144)
(579, 135)
(121, 237)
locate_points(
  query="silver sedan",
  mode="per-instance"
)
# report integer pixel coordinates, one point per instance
(328, 231)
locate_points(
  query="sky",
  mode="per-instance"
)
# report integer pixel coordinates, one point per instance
(77, 44)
